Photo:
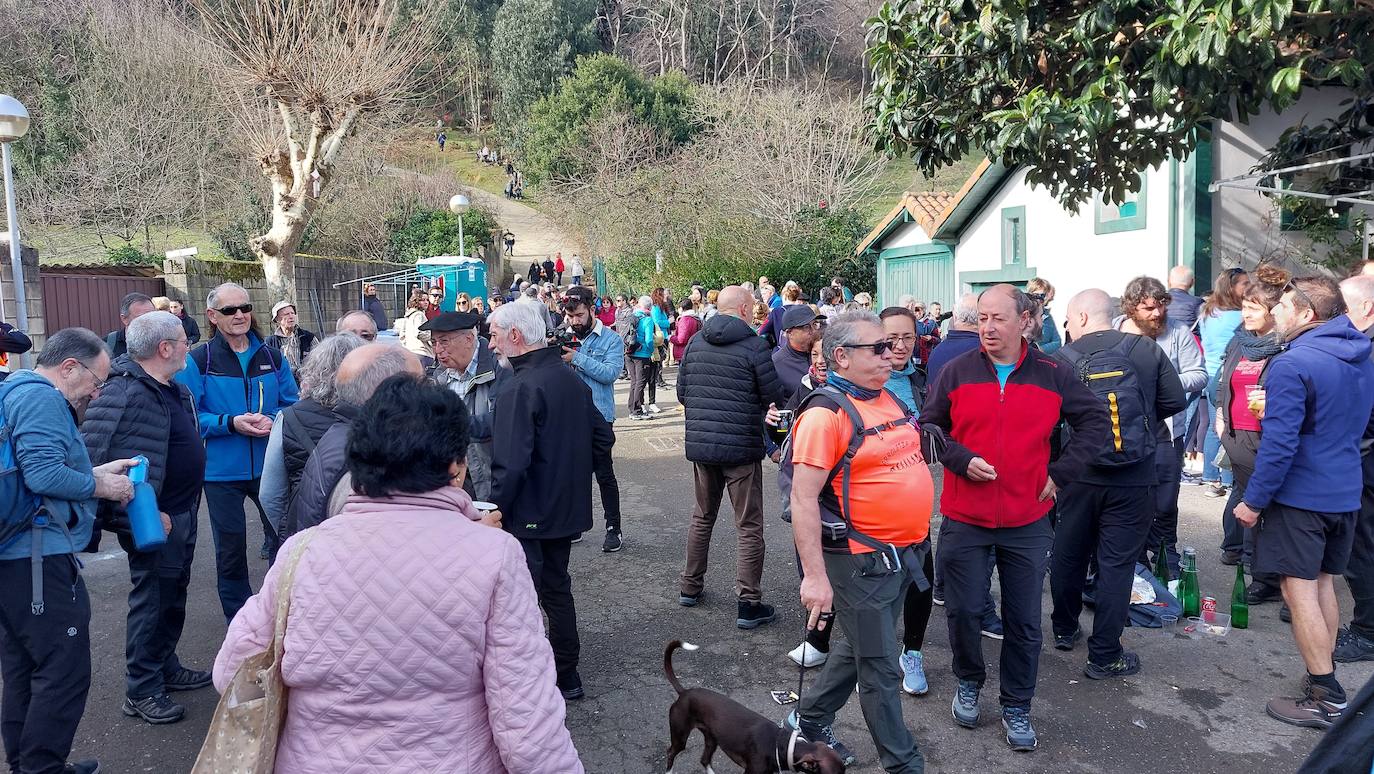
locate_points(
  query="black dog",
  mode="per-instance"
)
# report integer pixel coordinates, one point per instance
(748, 738)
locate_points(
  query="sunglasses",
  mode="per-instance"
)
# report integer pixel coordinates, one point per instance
(878, 347)
(229, 311)
(436, 295)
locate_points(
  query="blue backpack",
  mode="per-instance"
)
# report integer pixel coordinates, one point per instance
(21, 511)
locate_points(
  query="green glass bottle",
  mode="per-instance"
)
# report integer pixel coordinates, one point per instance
(1240, 609)
(1162, 564)
(1192, 594)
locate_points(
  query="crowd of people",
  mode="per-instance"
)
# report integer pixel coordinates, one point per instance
(419, 497)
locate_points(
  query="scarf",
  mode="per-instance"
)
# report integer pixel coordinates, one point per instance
(900, 384)
(849, 388)
(1255, 348)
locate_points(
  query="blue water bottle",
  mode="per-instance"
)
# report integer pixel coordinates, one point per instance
(144, 520)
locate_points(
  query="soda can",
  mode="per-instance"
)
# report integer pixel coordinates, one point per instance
(1209, 609)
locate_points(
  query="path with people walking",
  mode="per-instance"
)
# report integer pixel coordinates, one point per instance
(537, 236)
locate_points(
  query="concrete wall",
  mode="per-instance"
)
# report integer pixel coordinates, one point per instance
(1245, 224)
(33, 287)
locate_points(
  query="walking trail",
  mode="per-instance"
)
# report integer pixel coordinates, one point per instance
(537, 236)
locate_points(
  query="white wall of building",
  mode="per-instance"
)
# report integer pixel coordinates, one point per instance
(906, 235)
(1061, 246)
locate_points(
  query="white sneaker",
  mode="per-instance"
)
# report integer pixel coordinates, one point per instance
(653, 408)
(805, 655)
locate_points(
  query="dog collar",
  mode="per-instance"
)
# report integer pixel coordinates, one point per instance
(791, 751)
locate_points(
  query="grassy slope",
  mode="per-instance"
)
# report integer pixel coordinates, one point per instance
(80, 245)
(459, 157)
(901, 176)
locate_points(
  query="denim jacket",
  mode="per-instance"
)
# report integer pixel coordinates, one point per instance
(599, 361)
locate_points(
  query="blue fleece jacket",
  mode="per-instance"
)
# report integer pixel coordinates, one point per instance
(644, 333)
(52, 459)
(1318, 396)
(222, 391)
(1216, 331)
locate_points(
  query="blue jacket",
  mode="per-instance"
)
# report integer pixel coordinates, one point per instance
(644, 334)
(1216, 331)
(598, 362)
(52, 458)
(954, 344)
(222, 392)
(1318, 397)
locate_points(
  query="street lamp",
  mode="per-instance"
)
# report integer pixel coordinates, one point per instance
(458, 205)
(14, 124)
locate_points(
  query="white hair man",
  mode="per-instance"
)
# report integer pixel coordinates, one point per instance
(542, 481)
(143, 411)
(1184, 306)
(644, 370)
(358, 323)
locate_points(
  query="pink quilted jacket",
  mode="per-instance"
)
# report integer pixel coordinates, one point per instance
(414, 643)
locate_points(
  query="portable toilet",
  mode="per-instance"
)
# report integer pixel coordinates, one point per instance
(454, 274)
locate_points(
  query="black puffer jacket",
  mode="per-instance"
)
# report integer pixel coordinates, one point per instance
(129, 418)
(725, 384)
(309, 503)
(303, 425)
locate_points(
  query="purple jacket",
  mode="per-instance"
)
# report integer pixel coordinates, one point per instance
(414, 643)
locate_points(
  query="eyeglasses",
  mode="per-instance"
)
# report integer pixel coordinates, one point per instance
(878, 347)
(907, 339)
(182, 340)
(228, 311)
(99, 383)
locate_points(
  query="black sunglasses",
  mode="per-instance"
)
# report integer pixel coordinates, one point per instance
(878, 347)
(228, 311)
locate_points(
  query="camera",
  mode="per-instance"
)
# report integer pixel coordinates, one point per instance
(564, 337)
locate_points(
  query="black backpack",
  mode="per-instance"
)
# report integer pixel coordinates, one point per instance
(1112, 376)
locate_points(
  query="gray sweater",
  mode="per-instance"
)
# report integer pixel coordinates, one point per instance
(1183, 351)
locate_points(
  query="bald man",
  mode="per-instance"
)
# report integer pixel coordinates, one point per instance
(725, 384)
(1356, 641)
(1109, 509)
(1184, 306)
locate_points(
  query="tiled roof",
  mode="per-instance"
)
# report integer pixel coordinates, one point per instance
(928, 208)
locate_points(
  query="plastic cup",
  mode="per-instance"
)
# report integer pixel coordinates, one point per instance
(484, 507)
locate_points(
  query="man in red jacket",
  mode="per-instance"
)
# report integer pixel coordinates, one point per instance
(998, 407)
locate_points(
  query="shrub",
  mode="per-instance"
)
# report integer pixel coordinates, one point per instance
(128, 255)
(430, 232)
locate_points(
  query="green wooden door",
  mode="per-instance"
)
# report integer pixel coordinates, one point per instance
(924, 271)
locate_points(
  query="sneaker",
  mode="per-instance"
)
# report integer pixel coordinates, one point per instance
(965, 704)
(578, 539)
(1258, 592)
(938, 596)
(1315, 710)
(1067, 641)
(914, 673)
(688, 600)
(158, 710)
(992, 627)
(1020, 733)
(1285, 614)
(653, 408)
(1232, 558)
(187, 680)
(807, 656)
(1127, 663)
(1352, 646)
(823, 734)
(82, 767)
(754, 614)
(612, 543)
(1215, 490)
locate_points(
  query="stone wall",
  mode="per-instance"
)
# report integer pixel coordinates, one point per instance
(33, 286)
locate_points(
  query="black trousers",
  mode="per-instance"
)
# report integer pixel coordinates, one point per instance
(1110, 522)
(548, 563)
(1022, 555)
(604, 469)
(1359, 572)
(641, 377)
(157, 607)
(1164, 527)
(46, 663)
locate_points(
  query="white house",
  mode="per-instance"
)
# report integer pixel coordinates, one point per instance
(997, 228)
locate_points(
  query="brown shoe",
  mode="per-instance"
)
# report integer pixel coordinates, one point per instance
(1315, 710)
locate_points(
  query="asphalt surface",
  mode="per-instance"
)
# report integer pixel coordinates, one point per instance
(1197, 706)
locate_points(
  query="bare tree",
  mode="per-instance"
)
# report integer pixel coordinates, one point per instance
(319, 68)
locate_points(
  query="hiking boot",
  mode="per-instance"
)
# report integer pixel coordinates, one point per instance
(1126, 664)
(914, 673)
(158, 710)
(807, 656)
(1232, 558)
(1315, 710)
(612, 543)
(187, 680)
(688, 600)
(754, 614)
(1351, 646)
(1285, 614)
(1067, 641)
(1020, 733)
(82, 767)
(965, 704)
(1259, 592)
(992, 626)
(820, 734)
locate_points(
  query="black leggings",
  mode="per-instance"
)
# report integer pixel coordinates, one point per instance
(915, 615)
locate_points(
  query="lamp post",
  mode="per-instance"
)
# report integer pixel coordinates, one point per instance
(458, 205)
(14, 124)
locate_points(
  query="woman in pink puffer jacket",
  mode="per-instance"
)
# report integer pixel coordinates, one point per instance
(414, 640)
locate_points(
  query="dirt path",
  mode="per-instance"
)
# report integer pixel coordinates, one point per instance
(537, 236)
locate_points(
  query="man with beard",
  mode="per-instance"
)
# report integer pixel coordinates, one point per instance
(1145, 307)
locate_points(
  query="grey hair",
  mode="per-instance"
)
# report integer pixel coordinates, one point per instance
(343, 320)
(531, 318)
(129, 300)
(212, 300)
(966, 310)
(321, 367)
(906, 298)
(531, 291)
(839, 330)
(149, 331)
(645, 302)
(392, 360)
(1358, 288)
(78, 343)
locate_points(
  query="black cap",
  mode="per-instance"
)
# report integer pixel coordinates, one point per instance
(798, 315)
(452, 321)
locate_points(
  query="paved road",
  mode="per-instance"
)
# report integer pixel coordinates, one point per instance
(1198, 706)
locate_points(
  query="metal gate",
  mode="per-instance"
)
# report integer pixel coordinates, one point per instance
(924, 271)
(91, 301)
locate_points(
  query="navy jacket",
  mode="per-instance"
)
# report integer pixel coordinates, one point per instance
(953, 345)
(1318, 397)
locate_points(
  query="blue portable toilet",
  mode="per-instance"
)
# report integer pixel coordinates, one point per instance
(454, 274)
